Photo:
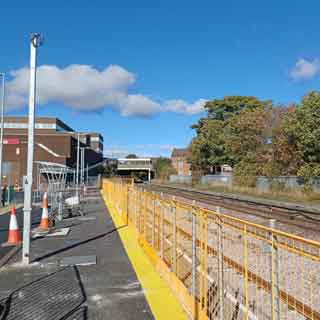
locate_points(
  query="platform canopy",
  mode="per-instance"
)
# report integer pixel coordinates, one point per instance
(53, 168)
(56, 173)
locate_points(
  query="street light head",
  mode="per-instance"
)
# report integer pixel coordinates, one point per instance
(36, 39)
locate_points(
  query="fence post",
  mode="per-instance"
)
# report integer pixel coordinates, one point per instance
(245, 258)
(220, 267)
(60, 207)
(274, 266)
(127, 204)
(194, 248)
(145, 214)
(153, 218)
(162, 229)
(174, 253)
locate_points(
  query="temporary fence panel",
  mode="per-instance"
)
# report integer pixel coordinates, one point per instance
(219, 266)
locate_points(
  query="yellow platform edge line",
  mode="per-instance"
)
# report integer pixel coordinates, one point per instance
(162, 302)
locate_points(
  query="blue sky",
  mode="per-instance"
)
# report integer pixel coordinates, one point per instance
(140, 71)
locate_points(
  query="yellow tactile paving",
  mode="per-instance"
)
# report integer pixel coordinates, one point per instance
(163, 304)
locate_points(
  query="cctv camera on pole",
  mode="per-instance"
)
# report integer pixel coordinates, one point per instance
(36, 41)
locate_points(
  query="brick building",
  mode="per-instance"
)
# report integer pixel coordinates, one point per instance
(179, 159)
(55, 142)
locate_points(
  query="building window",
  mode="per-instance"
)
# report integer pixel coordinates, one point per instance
(61, 129)
(16, 125)
(96, 139)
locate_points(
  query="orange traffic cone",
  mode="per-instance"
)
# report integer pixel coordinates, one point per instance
(14, 233)
(44, 224)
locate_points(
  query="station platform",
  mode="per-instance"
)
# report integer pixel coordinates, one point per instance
(95, 271)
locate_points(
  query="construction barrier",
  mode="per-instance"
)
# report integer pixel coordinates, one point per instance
(219, 266)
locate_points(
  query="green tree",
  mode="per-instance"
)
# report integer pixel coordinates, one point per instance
(107, 170)
(209, 147)
(223, 109)
(286, 157)
(248, 142)
(163, 168)
(303, 131)
(132, 156)
(248, 135)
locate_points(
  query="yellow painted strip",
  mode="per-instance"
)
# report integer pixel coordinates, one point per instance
(163, 304)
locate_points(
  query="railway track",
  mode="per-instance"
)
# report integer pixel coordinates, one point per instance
(253, 277)
(246, 255)
(295, 219)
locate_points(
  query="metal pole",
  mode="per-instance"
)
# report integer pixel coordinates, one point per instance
(77, 171)
(174, 217)
(274, 267)
(220, 267)
(34, 44)
(82, 173)
(153, 219)
(81, 151)
(81, 163)
(194, 248)
(162, 208)
(2, 127)
(60, 206)
(87, 174)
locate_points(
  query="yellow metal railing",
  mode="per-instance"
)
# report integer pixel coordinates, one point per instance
(221, 267)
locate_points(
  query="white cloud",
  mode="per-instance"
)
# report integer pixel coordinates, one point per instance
(181, 106)
(85, 88)
(137, 104)
(305, 69)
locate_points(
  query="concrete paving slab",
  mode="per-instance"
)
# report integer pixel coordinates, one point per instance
(78, 261)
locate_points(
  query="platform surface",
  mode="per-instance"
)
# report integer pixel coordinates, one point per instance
(108, 289)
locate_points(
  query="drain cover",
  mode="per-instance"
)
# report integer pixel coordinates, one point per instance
(78, 260)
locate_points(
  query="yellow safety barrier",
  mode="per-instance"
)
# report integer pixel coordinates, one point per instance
(218, 266)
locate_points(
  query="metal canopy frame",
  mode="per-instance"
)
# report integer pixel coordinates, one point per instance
(55, 173)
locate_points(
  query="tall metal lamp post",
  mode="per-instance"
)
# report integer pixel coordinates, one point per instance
(36, 41)
(2, 127)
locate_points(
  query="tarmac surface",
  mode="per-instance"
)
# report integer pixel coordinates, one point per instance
(53, 288)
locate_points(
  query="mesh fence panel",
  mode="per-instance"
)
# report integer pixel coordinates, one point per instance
(231, 268)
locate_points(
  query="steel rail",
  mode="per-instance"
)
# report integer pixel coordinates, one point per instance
(257, 202)
(282, 217)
